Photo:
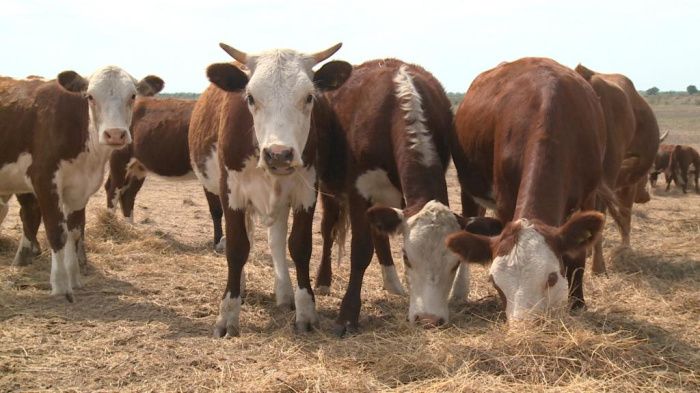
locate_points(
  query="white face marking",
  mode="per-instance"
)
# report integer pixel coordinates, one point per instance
(280, 84)
(420, 139)
(111, 90)
(432, 265)
(522, 276)
(212, 172)
(374, 185)
(13, 176)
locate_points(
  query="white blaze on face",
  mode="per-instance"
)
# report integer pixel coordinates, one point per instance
(530, 276)
(430, 265)
(111, 92)
(280, 98)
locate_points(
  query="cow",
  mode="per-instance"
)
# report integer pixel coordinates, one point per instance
(254, 142)
(159, 131)
(529, 144)
(57, 137)
(387, 172)
(631, 146)
(663, 157)
(682, 157)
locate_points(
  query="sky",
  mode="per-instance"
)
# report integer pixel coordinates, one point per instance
(655, 43)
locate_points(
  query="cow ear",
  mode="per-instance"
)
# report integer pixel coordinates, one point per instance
(580, 231)
(72, 81)
(332, 75)
(471, 247)
(384, 219)
(150, 86)
(486, 226)
(227, 77)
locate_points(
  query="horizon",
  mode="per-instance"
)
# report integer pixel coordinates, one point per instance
(649, 41)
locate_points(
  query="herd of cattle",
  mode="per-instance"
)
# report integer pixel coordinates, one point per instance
(549, 149)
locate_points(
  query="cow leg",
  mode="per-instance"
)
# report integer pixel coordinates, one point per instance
(276, 240)
(112, 194)
(216, 212)
(697, 176)
(329, 221)
(300, 249)
(598, 263)
(626, 198)
(684, 177)
(4, 206)
(575, 267)
(460, 285)
(237, 250)
(31, 219)
(74, 243)
(127, 197)
(360, 257)
(392, 283)
(76, 224)
(469, 207)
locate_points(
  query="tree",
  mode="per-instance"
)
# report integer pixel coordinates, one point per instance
(653, 91)
(692, 89)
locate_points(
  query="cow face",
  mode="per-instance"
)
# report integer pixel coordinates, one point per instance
(430, 266)
(110, 93)
(527, 268)
(279, 91)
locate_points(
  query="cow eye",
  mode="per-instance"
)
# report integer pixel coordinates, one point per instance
(89, 97)
(250, 100)
(133, 96)
(552, 279)
(309, 98)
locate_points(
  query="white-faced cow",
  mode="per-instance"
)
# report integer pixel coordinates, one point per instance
(53, 155)
(253, 141)
(159, 132)
(392, 152)
(530, 144)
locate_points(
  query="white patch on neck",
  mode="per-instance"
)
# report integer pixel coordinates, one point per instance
(375, 186)
(419, 137)
(79, 178)
(212, 173)
(14, 178)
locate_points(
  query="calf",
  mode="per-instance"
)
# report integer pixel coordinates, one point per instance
(253, 141)
(53, 155)
(391, 151)
(159, 130)
(632, 140)
(682, 157)
(530, 140)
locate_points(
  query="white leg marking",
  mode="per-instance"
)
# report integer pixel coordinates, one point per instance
(242, 285)
(392, 283)
(277, 241)
(305, 309)
(460, 286)
(4, 208)
(130, 219)
(24, 254)
(229, 315)
(60, 283)
(221, 247)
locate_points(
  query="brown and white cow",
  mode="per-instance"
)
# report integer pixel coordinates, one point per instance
(530, 140)
(253, 141)
(663, 157)
(54, 150)
(631, 145)
(392, 152)
(159, 132)
(682, 157)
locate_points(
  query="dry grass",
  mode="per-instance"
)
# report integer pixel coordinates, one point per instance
(143, 320)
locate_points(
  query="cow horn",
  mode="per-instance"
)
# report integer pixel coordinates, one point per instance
(663, 136)
(235, 53)
(324, 54)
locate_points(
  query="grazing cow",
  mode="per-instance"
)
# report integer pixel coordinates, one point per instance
(253, 141)
(530, 139)
(682, 157)
(392, 151)
(159, 130)
(53, 155)
(663, 157)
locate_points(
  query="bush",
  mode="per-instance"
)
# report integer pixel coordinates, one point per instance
(691, 89)
(653, 91)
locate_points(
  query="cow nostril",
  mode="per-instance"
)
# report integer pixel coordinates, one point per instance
(441, 322)
(287, 155)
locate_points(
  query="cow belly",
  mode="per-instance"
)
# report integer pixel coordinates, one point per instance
(267, 195)
(13, 176)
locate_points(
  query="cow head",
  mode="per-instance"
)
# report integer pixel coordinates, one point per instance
(279, 90)
(110, 93)
(430, 266)
(527, 268)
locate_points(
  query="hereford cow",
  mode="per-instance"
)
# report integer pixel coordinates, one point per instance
(663, 157)
(53, 155)
(253, 141)
(530, 140)
(159, 130)
(631, 146)
(392, 152)
(682, 157)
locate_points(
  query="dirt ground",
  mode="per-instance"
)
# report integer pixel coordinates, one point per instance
(143, 320)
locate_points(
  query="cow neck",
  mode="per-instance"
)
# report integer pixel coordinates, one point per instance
(421, 184)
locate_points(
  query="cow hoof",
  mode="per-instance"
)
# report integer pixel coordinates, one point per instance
(578, 307)
(226, 331)
(322, 290)
(220, 247)
(344, 329)
(23, 257)
(70, 298)
(301, 327)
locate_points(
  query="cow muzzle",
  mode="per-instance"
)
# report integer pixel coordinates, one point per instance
(279, 159)
(116, 137)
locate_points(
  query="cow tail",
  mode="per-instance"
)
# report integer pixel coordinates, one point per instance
(608, 198)
(339, 232)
